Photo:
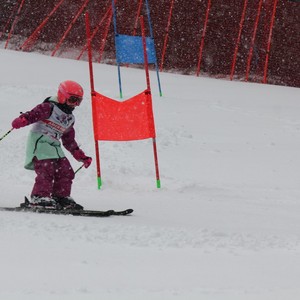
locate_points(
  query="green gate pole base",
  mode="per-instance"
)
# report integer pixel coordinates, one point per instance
(158, 183)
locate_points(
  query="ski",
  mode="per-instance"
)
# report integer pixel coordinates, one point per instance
(25, 207)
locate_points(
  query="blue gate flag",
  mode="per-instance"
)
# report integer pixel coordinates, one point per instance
(129, 49)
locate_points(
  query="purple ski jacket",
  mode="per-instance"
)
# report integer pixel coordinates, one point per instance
(52, 124)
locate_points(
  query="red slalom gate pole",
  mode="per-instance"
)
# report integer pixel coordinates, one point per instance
(237, 44)
(69, 27)
(104, 39)
(29, 42)
(14, 23)
(137, 17)
(253, 40)
(149, 91)
(145, 54)
(88, 35)
(9, 19)
(95, 32)
(166, 37)
(269, 41)
(203, 37)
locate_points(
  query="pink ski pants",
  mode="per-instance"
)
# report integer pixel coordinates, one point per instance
(54, 177)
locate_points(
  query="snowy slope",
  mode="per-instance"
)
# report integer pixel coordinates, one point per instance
(224, 225)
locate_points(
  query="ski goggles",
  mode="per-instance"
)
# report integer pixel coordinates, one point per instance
(74, 100)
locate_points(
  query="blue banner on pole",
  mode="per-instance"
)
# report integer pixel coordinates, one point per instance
(129, 49)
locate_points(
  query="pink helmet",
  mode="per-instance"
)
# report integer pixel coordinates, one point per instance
(70, 93)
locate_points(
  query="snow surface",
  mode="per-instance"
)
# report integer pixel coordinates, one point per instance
(225, 224)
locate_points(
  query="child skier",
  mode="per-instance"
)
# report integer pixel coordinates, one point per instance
(53, 121)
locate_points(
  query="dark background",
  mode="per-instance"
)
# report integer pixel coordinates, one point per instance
(184, 34)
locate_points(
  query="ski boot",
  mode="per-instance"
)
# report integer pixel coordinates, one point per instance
(67, 203)
(42, 202)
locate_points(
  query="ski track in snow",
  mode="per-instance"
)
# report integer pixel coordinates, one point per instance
(106, 231)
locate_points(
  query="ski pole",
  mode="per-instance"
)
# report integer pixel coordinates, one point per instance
(7, 133)
(79, 169)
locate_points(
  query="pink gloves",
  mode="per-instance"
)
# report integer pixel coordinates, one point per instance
(79, 155)
(19, 122)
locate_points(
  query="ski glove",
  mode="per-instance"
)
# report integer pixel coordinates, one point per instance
(79, 155)
(19, 122)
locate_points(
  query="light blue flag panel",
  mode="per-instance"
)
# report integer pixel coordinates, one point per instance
(129, 49)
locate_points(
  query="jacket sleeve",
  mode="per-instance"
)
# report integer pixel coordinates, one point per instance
(38, 113)
(68, 140)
